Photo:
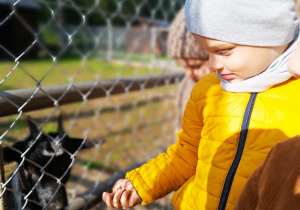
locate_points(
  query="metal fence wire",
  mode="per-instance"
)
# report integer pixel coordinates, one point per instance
(87, 93)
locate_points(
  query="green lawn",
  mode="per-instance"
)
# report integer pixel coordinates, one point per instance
(49, 73)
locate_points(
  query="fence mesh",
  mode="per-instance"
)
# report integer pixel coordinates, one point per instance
(87, 93)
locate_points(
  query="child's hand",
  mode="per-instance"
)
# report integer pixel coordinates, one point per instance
(123, 195)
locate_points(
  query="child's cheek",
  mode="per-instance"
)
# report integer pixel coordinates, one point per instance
(294, 63)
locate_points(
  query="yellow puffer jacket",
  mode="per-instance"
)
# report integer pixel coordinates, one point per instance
(224, 138)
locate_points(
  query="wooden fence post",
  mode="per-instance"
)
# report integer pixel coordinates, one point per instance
(2, 180)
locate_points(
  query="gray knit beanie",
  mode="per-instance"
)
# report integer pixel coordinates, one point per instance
(181, 43)
(254, 23)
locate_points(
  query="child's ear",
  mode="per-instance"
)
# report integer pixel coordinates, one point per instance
(10, 155)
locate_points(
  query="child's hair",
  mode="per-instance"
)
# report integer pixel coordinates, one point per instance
(265, 23)
(181, 43)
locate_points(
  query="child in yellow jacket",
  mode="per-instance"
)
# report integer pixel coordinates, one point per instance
(233, 117)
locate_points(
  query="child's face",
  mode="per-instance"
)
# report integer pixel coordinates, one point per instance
(236, 62)
(294, 62)
(195, 69)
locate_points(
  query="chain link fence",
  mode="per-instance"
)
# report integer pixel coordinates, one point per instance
(86, 94)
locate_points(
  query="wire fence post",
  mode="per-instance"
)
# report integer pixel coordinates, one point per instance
(153, 43)
(2, 180)
(109, 40)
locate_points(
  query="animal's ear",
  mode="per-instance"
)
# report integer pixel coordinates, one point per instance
(11, 155)
(73, 144)
(60, 127)
(34, 131)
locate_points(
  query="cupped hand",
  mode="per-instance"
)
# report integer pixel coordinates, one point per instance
(123, 195)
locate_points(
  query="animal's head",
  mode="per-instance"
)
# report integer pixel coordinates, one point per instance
(46, 152)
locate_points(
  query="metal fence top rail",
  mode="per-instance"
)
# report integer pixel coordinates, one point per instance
(24, 100)
(23, 3)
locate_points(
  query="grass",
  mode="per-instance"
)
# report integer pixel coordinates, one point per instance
(28, 73)
(119, 55)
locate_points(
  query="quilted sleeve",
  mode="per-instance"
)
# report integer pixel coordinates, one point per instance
(169, 171)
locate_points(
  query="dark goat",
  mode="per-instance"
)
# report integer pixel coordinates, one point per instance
(28, 174)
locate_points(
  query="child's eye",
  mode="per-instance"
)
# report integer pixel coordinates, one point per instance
(224, 52)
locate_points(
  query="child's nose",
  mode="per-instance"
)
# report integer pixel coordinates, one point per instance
(214, 63)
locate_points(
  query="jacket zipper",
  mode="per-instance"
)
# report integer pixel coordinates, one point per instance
(239, 152)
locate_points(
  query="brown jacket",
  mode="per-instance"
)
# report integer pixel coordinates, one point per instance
(276, 183)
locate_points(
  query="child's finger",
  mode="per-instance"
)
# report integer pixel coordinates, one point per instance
(105, 196)
(118, 185)
(125, 199)
(126, 185)
(108, 198)
(134, 199)
(116, 199)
